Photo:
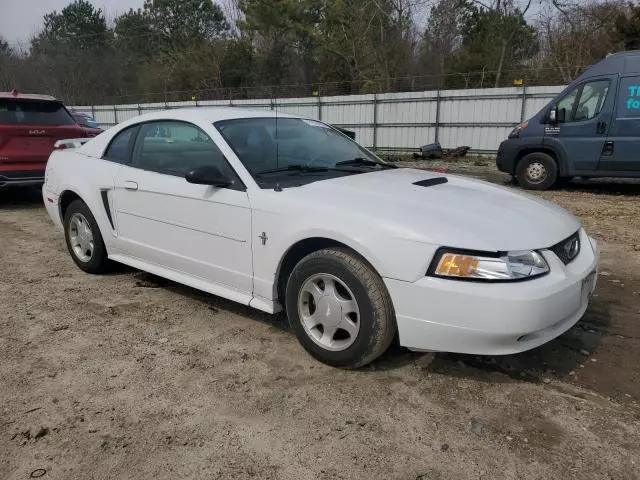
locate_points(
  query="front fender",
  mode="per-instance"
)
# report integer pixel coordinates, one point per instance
(391, 256)
(555, 146)
(354, 244)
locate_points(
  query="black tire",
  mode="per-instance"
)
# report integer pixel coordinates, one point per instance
(377, 325)
(545, 162)
(98, 261)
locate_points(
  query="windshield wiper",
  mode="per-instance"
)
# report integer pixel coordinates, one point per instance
(305, 169)
(365, 162)
(294, 168)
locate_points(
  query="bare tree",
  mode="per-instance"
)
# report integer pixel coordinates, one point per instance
(442, 35)
(578, 36)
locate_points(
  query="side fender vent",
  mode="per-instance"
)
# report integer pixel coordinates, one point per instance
(430, 182)
(105, 201)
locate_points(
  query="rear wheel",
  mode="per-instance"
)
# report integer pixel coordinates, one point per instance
(339, 308)
(83, 239)
(537, 171)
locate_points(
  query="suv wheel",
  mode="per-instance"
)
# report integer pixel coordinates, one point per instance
(339, 308)
(537, 171)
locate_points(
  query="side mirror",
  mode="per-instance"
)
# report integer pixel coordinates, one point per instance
(561, 115)
(208, 175)
(557, 115)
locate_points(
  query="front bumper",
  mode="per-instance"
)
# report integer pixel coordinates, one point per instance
(436, 314)
(507, 154)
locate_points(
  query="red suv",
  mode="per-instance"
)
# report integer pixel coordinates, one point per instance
(29, 127)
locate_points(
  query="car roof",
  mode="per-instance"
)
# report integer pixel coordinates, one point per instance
(27, 96)
(209, 114)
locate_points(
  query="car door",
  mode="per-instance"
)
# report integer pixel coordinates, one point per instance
(622, 150)
(582, 136)
(161, 219)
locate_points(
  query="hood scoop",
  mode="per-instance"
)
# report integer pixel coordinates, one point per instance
(430, 182)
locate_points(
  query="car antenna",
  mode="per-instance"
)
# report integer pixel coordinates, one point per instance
(275, 104)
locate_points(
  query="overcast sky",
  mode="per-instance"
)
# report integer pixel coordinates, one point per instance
(20, 19)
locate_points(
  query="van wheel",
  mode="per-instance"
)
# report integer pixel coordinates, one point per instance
(339, 308)
(537, 171)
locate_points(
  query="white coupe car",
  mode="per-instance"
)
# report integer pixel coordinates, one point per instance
(279, 212)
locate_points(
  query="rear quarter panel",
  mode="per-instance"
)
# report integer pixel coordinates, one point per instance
(70, 171)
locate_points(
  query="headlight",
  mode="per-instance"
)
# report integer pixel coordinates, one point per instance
(515, 133)
(510, 266)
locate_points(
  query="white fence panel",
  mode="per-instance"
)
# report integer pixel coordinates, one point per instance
(350, 111)
(105, 115)
(403, 138)
(302, 107)
(213, 103)
(478, 118)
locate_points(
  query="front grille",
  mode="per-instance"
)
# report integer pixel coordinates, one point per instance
(568, 249)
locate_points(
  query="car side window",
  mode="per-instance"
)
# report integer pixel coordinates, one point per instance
(176, 148)
(120, 146)
(585, 102)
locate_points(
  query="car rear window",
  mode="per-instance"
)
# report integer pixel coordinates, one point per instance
(33, 112)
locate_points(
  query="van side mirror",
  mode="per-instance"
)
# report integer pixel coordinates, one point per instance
(557, 115)
(208, 175)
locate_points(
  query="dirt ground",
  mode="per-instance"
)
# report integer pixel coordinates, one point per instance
(129, 376)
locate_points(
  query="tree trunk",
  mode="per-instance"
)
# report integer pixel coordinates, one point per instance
(503, 52)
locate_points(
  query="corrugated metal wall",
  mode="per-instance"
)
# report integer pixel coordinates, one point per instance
(479, 118)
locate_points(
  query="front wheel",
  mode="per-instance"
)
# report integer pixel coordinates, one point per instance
(339, 308)
(537, 171)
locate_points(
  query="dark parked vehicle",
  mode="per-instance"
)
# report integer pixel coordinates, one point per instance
(86, 121)
(349, 133)
(30, 125)
(591, 129)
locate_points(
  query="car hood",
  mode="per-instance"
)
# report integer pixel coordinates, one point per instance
(462, 212)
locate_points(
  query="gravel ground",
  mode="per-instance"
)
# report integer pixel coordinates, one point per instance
(131, 376)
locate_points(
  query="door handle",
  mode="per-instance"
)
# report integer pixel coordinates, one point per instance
(601, 127)
(129, 185)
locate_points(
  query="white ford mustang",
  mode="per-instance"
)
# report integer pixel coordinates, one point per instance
(282, 212)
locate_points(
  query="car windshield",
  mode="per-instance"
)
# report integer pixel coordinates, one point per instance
(290, 146)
